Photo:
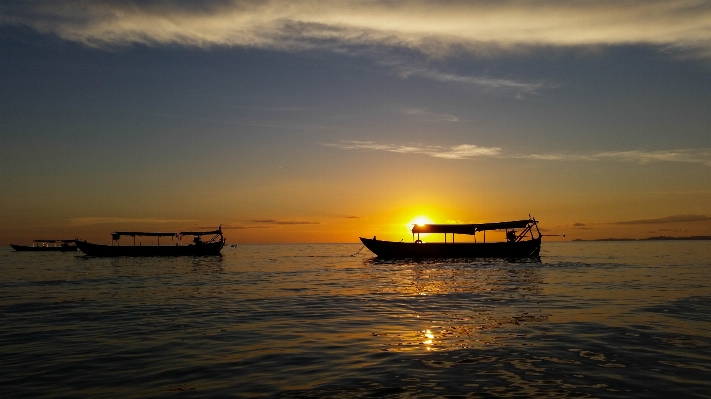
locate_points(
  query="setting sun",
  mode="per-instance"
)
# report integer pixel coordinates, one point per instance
(419, 220)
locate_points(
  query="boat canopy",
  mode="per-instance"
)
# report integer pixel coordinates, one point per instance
(142, 233)
(200, 233)
(470, 228)
(53, 241)
(117, 234)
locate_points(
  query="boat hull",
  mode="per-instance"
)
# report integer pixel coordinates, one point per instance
(405, 250)
(66, 248)
(99, 250)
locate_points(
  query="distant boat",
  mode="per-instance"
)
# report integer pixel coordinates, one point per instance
(197, 247)
(517, 245)
(47, 245)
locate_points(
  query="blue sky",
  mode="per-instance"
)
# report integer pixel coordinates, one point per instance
(334, 118)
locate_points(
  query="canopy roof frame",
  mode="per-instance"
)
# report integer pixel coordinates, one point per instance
(472, 229)
(117, 234)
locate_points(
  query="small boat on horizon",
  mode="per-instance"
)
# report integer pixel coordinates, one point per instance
(197, 247)
(517, 245)
(47, 245)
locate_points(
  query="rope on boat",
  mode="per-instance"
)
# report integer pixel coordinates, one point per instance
(361, 248)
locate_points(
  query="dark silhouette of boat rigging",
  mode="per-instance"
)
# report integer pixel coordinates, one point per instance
(525, 244)
(197, 247)
(47, 246)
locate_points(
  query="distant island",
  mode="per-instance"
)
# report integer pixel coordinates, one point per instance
(658, 238)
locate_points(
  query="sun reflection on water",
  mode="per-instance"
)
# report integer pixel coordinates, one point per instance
(458, 305)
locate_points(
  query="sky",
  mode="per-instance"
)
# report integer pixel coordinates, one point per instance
(323, 121)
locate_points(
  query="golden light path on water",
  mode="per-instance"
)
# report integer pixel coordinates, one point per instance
(473, 296)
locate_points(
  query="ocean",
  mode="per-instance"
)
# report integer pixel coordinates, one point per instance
(591, 319)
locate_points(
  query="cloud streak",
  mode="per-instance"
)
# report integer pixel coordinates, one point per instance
(429, 116)
(91, 220)
(701, 155)
(482, 82)
(668, 219)
(435, 29)
(282, 222)
(469, 151)
(463, 151)
(266, 224)
(241, 227)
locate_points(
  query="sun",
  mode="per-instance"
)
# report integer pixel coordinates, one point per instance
(419, 220)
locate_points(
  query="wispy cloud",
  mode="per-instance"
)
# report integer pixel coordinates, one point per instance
(700, 155)
(668, 219)
(429, 116)
(276, 109)
(483, 82)
(467, 151)
(431, 28)
(242, 227)
(463, 151)
(265, 224)
(91, 220)
(283, 222)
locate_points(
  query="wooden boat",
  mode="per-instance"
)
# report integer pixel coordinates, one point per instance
(47, 245)
(197, 247)
(517, 245)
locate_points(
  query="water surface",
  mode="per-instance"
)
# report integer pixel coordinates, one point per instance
(600, 319)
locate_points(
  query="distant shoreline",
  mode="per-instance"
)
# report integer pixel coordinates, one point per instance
(659, 238)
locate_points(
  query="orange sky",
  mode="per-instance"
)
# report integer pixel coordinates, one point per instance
(303, 121)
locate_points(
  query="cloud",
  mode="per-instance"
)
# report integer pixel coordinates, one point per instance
(429, 116)
(462, 151)
(240, 227)
(88, 221)
(434, 29)
(468, 151)
(263, 224)
(668, 219)
(579, 224)
(483, 82)
(352, 217)
(683, 155)
(282, 222)
(701, 155)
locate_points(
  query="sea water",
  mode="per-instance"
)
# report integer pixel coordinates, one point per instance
(591, 319)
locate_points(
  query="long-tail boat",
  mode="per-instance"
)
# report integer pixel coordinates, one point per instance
(176, 247)
(517, 245)
(47, 245)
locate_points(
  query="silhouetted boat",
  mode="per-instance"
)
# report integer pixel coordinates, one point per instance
(197, 247)
(523, 245)
(47, 245)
